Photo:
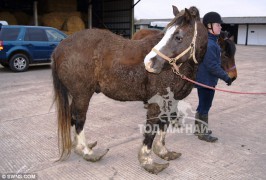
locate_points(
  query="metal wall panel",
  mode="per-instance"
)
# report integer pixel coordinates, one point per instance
(117, 16)
(257, 35)
(252, 34)
(242, 33)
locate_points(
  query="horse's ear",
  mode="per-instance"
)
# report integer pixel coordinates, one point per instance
(232, 38)
(175, 10)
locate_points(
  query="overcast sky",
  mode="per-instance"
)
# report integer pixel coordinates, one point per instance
(162, 9)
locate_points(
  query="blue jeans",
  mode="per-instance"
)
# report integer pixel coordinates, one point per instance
(205, 100)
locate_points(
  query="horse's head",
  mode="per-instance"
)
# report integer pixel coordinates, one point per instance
(228, 49)
(185, 38)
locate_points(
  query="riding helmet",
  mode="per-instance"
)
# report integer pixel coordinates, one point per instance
(212, 17)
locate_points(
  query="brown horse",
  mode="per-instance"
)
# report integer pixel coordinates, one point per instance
(96, 60)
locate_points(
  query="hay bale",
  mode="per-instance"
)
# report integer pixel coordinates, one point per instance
(22, 18)
(8, 17)
(55, 19)
(73, 24)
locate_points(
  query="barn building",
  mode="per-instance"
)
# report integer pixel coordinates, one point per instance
(246, 30)
(116, 15)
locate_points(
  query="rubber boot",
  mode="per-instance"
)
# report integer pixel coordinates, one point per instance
(204, 135)
(196, 132)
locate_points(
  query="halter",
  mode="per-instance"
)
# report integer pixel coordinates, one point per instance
(191, 48)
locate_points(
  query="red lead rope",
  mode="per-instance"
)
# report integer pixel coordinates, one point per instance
(218, 89)
(176, 71)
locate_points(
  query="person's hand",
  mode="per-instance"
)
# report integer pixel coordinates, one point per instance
(229, 82)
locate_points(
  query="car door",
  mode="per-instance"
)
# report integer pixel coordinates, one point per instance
(37, 43)
(54, 36)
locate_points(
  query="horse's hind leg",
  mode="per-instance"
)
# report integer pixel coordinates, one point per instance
(145, 152)
(79, 109)
(159, 143)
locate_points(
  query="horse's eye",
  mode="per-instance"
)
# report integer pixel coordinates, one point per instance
(178, 38)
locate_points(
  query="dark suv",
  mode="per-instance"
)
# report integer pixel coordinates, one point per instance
(24, 45)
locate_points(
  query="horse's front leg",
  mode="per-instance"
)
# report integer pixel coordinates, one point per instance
(145, 152)
(159, 144)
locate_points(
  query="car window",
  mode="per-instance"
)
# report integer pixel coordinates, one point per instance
(53, 35)
(35, 34)
(9, 34)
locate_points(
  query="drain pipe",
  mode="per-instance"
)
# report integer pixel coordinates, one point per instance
(35, 10)
(90, 14)
(132, 18)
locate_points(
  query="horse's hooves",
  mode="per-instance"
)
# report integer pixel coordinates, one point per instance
(95, 157)
(170, 156)
(92, 145)
(155, 168)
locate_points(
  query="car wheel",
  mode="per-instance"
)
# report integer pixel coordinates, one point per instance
(19, 63)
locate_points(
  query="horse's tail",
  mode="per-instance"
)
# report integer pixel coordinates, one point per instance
(63, 113)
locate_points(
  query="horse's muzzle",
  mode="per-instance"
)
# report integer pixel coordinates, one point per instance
(152, 68)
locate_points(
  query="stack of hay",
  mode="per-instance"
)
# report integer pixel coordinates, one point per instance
(67, 22)
(60, 14)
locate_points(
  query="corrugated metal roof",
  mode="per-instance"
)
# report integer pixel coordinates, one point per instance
(227, 20)
(244, 20)
(148, 21)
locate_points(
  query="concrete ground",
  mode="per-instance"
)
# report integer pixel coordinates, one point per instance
(28, 130)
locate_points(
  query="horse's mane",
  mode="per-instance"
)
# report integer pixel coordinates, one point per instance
(177, 20)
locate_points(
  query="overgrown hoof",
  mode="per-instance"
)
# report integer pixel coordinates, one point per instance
(92, 145)
(95, 157)
(155, 168)
(80, 149)
(171, 155)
